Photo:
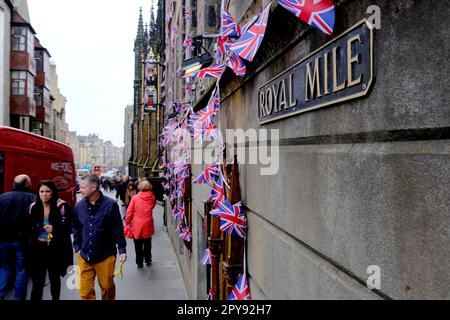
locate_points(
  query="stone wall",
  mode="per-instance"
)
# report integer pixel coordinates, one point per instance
(360, 183)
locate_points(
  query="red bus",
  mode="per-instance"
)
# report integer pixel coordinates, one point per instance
(97, 170)
(40, 158)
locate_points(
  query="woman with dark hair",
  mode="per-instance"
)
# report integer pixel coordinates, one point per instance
(51, 245)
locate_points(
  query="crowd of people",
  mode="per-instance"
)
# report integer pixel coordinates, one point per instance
(39, 234)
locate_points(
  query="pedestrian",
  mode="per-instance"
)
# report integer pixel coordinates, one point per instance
(120, 194)
(97, 236)
(15, 232)
(51, 244)
(140, 219)
(131, 192)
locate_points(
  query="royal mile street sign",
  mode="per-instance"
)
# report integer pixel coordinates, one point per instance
(341, 70)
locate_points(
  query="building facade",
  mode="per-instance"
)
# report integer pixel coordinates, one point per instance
(128, 136)
(6, 9)
(91, 150)
(361, 182)
(60, 128)
(27, 101)
(148, 115)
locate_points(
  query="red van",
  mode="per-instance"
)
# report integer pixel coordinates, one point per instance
(40, 158)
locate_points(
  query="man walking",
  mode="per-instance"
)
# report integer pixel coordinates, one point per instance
(15, 231)
(97, 233)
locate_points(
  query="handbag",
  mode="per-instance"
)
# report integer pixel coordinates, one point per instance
(127, 231)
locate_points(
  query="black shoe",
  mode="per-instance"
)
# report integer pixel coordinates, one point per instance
(140, 266)
(149, 264)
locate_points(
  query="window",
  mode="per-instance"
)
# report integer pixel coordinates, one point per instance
(38, 94)
(2, 172)
(39, 57)
(30, 43)
(18, 79)
(18, 38)
(30, 92)
(36, 128)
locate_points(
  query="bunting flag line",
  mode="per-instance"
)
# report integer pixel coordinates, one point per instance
(319, 14)
(247, 45)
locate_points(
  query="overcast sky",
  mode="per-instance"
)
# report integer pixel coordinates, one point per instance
(91, 42)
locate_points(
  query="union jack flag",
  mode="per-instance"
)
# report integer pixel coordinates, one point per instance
(197, 133)
(186, 234)
(206, 260)
(187, 44)
(175, 211)
(214, 71)
(209, 175)
(221, 208)
(249, 24)
(247, 45)
(201, 122)
(186, 13)
(317, 13)
(232, 218)
(218, 192)
(223, 46)
(230, 28)
(235, 62)
(179, 213)
(241, 291)
(211, 131)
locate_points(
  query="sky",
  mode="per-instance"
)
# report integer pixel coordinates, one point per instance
(91, 42)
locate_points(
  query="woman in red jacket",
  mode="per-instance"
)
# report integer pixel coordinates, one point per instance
(140, 218)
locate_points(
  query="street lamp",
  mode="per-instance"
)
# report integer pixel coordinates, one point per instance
(200, 60)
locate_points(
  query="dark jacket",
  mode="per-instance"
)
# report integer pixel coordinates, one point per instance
(122, 190)
(98, 229)
(61, 219)
(15, 223)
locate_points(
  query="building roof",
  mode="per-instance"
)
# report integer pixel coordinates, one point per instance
(38, 45)
(19, 21)
(9, 3)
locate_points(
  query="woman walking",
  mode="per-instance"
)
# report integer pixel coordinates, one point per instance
(140, 219)
(51, 245)
(129, 194)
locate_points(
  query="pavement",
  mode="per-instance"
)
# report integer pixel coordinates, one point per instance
(161, 281)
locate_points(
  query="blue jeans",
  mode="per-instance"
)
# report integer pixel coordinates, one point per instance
(12, 255)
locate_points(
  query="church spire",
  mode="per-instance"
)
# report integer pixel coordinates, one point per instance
(140, 32)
